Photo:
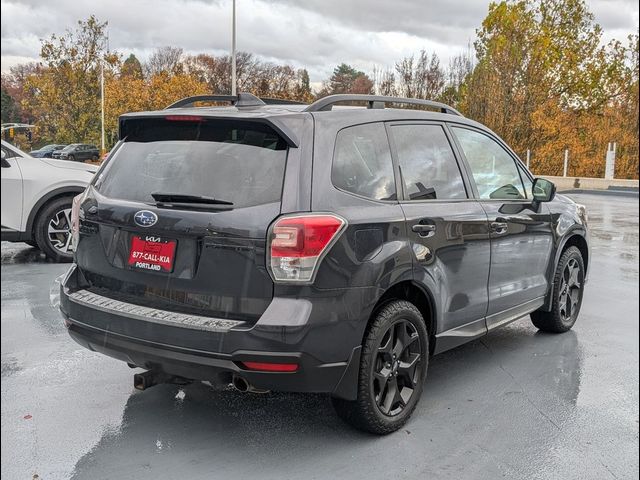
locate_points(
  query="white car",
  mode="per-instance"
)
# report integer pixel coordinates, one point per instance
(36, 200)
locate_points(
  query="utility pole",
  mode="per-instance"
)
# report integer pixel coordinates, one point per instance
(233, 50)
(566, 162)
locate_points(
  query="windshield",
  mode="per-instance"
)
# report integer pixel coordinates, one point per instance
(68, 148)
(231, 161)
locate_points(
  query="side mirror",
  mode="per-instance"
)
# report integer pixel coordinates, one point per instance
(543, 190)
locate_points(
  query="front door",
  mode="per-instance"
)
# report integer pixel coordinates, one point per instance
(448, 230)
(521, 235)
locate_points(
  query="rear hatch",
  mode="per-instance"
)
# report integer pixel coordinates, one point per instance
(178, 217)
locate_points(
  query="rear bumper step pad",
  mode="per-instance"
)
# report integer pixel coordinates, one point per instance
(163, 317)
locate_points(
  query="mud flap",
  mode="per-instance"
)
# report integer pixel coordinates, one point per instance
(347, 387)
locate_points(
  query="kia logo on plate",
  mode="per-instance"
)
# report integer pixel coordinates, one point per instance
(145, 218)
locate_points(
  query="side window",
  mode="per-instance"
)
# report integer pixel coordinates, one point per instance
(528, 184)
(429, 168)
(494, 170)
(362, 162)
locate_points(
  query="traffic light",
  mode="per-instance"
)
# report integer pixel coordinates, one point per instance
(28, 135)
(11, 132)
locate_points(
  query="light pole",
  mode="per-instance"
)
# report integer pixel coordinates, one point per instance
(102, 143)
(102, 107)
(233, 49)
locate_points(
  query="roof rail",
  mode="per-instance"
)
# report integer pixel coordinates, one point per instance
(376, 101)
(281, 101)
(240, 100)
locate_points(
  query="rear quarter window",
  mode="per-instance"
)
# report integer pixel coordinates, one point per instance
(362, 162)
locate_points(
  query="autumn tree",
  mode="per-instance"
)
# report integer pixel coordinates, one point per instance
(132, 67)
(420, 77)
(302, 90)
(545, 82)
(166, 60)
(384, 81)
(129, 93)
(13, 84)
(64, 97)
(457, 74)
(346, 79)
(9, 108)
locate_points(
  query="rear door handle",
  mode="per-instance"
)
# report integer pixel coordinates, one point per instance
(499, 228)
(423, 229)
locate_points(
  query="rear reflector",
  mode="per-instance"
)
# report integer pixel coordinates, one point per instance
(270, 367)
(298, 243)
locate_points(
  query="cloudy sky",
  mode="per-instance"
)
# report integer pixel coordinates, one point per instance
(316, 34)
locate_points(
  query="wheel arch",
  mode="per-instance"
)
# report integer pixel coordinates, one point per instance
(574, 238)
(68, 191)
(419, 296)
(408, 290)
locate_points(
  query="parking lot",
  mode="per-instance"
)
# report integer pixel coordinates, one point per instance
(515, 404)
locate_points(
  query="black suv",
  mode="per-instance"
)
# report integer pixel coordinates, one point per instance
(309, 248)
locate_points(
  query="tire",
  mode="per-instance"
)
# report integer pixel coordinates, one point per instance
(567, 294)
(377, 363)
(71, 158)
(32, 243)
(94, 158)
(57, 215)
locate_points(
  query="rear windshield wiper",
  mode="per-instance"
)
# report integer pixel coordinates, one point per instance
(182, 198)
(179, 200)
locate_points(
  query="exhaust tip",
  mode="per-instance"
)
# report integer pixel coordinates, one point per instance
(240, 384)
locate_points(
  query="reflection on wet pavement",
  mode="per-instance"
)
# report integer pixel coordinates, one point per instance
(515, 404)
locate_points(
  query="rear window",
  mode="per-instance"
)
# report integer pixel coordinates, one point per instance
(239, 162)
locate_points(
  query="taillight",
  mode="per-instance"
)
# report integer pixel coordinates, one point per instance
(298, 243)
(75, 220)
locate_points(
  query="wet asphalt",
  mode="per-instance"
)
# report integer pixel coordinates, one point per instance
(515, 404)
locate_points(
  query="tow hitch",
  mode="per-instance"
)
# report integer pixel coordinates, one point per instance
(144, 380)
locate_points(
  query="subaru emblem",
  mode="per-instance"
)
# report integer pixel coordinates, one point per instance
(145, 218)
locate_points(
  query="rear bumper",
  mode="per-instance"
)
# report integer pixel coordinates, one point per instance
(325, 346)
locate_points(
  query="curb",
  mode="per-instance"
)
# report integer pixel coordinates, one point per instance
(612, 192)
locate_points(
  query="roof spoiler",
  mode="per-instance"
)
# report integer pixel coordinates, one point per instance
(128, 122)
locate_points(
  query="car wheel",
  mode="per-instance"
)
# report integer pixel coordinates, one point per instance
(94, 158)
(71, 158)
(568, 288)
(393, 368)
(53, 230)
